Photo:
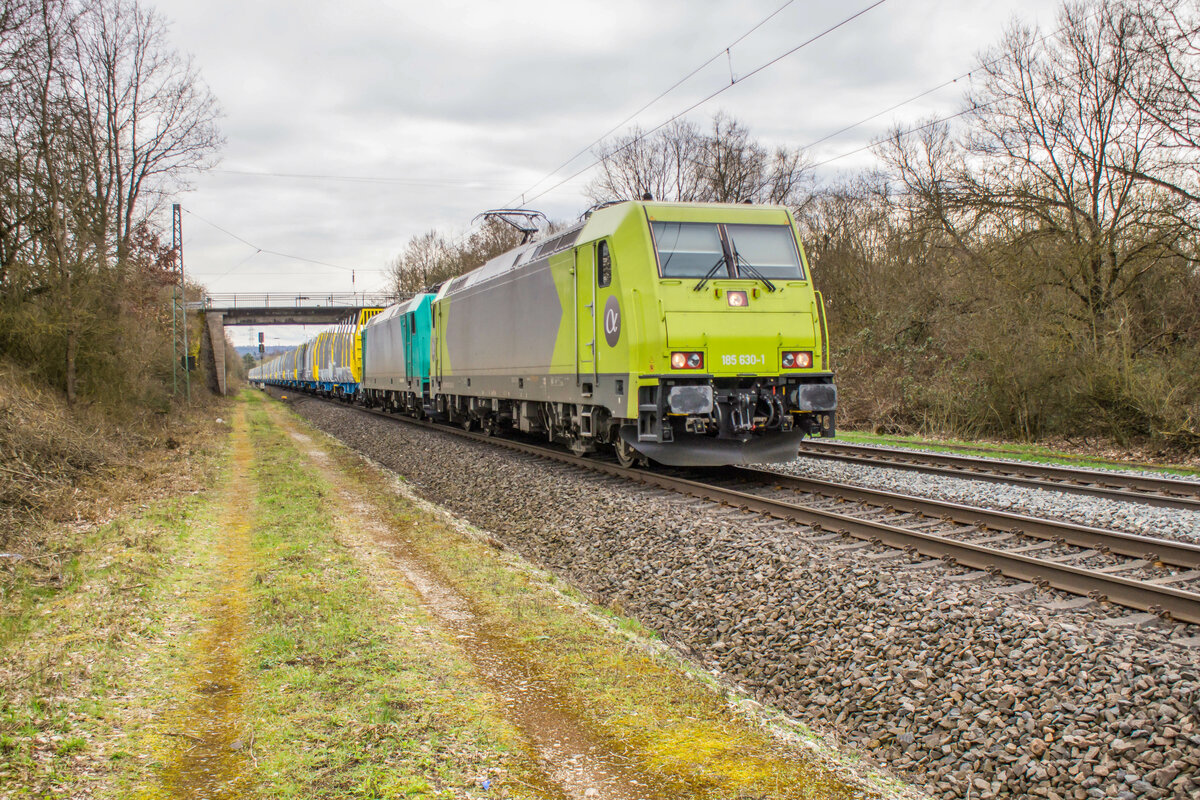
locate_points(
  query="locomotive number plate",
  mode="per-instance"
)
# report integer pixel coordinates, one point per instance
(743, 360)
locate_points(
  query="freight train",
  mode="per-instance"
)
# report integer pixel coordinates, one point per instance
(687, 334)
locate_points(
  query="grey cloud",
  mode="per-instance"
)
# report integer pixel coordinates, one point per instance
(471, 103)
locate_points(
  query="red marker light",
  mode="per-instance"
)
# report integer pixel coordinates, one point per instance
(738, 299)
(797, 359)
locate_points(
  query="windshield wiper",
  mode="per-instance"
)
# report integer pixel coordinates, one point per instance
(709, 275)
(752, 271)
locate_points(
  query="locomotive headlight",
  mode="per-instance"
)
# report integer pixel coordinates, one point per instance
(678, 360)
(797, 359)
(687, 360)
(694, 361)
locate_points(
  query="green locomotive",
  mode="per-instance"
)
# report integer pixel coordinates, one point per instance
(690, 334)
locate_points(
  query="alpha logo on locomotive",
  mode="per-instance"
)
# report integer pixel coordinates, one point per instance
(612, 321)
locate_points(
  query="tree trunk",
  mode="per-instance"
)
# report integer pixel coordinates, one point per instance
(72, 340)
(72, 348)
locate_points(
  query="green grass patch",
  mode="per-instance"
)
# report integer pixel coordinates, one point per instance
(668, 723)
(357, 693)
(81, 652)
(1016, 451)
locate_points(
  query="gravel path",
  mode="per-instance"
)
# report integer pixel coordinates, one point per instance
(930, 669)
(1100, 512)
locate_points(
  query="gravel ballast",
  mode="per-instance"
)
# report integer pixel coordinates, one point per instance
(1033, 462)
(1100, 512)
(934, 671)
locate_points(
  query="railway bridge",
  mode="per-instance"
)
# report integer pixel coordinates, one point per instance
(306, 308)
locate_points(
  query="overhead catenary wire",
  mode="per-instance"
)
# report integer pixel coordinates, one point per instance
(226, 273)
(974, 107)
(903, 133)
(476, 184)
(855, 151)
(887, 110)
(271, 252)
(642, 135)
(464, 184)
(733, 82)
(724, 51)
(964, 76)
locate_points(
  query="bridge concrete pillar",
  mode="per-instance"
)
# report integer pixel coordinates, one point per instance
(215, 323)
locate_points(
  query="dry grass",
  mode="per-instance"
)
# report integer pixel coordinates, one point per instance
(66, 470)
(46, 450)
(664, 718)
(356, 690)
(89, 502)
(81, 623)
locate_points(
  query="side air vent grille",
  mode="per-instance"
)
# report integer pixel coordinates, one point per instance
(560, 242)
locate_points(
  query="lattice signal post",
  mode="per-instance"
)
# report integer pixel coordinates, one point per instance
(179, 328)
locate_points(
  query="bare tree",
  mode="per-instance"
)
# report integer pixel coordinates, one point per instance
(1061, 141)
(679, 163)
(734, 168)
(492, 239)
(431, 258)
(16, 17)
(422, 263)
(55, 175)
(101, 118)
(150, 118)
(941, 197)
(17, 37)
(662, 165)
(1167, 44)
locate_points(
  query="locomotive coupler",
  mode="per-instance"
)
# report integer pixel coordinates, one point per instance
(741, 411)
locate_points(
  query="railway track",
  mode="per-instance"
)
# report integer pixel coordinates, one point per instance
(1166, 492)
(1046, 553)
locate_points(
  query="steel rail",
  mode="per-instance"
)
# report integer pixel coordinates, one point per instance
(1178, 604)
(1164, 492)
(1150, 548)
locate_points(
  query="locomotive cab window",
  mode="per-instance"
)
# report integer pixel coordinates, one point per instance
(690, 250)
(603, 265)
(769, 250)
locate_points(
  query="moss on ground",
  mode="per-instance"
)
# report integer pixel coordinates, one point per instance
(83, 647)
(346, 691)
(357, 691)
(664, 720)
(342, 685)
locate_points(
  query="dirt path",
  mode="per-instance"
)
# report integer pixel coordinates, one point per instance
(577, 760)
(206, 745)
(300, 630)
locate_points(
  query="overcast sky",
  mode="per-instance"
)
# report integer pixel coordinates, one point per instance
(434, 111)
